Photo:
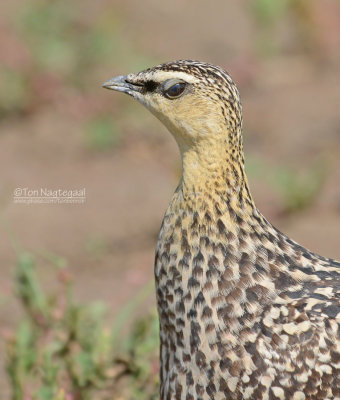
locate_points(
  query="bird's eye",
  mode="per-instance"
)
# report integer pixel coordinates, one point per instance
(175, 90)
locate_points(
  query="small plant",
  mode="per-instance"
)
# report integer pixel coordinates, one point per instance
(298, 190)
(64, 351)
(267, 11)
(102, 132)
(269, 15)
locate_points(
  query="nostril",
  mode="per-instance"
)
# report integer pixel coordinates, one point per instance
(134, 84)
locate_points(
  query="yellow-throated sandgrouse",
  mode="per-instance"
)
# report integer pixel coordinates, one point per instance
(245, 312)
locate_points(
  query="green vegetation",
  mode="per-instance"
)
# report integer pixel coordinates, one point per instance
(268, 12)
(64, 350)
(60, 58)
(297, 189)
(102, 133)
(269, 15)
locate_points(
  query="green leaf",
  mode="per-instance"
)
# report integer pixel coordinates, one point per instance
(29, 290)
(102, 133)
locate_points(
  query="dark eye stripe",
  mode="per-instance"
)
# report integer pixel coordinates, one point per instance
(175, 90)
(150, 86)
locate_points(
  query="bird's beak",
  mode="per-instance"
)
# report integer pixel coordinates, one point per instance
(122, 83)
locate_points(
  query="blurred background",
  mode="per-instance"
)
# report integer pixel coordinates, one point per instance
(60, 130)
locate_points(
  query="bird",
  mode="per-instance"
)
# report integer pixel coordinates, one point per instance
(245, 312)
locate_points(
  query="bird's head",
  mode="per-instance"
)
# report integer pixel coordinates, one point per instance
(198, 102)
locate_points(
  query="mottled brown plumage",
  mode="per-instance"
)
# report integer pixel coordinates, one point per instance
(245, 312)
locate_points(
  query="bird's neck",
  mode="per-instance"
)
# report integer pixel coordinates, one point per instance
(215, 171)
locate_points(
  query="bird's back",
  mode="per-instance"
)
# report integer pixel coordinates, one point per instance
(245, 312)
